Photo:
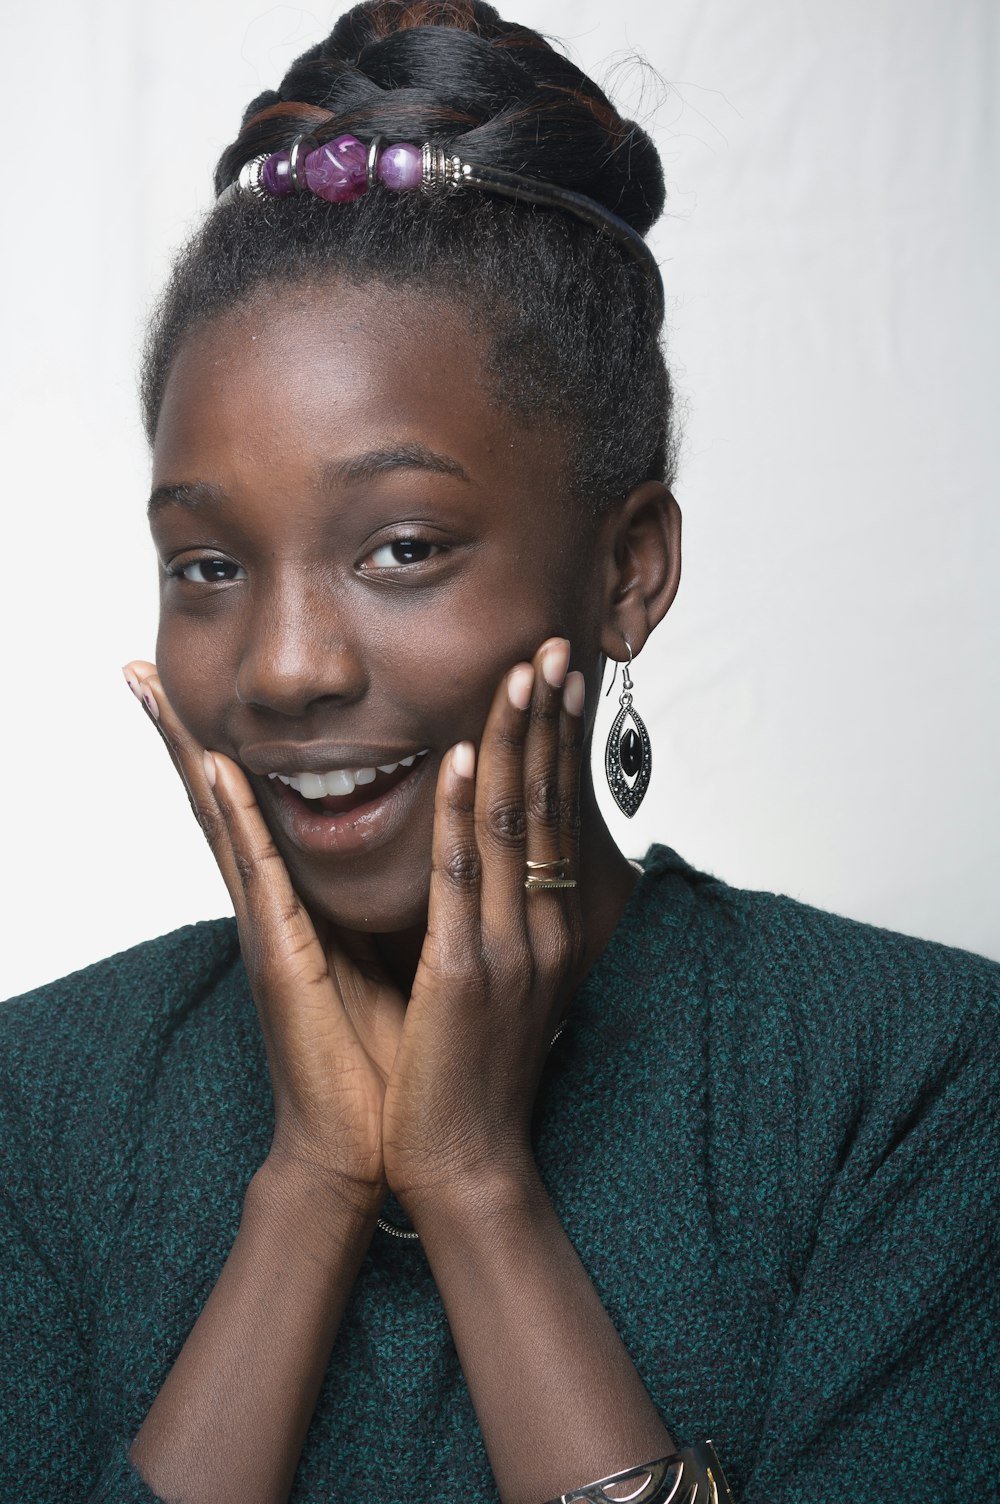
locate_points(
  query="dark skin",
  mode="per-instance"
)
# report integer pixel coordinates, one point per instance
(407, 987)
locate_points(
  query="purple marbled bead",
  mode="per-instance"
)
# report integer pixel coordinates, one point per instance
(400, 167)
(338, 170)
(276, 175)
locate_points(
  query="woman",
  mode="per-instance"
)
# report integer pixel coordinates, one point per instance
(681, 1161)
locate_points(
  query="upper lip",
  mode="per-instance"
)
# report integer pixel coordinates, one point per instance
(316, 757)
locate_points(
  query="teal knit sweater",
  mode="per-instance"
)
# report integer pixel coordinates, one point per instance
(769, 1132)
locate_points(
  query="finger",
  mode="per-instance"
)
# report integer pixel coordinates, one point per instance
(571, 727)
(188, 757)
(499, 810)
(278, 939)
(541, 757)
(454, 937)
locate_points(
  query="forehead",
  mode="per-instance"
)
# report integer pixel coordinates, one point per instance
(301, 377)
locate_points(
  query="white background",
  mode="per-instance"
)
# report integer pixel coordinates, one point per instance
(823, 698)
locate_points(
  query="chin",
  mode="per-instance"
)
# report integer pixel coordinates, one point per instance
(385, 910)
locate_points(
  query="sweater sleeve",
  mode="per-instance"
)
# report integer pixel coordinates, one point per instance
(883, 1384)
(52, 1450)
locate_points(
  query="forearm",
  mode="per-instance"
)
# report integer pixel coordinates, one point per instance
(557, 1397)
(230, 1420)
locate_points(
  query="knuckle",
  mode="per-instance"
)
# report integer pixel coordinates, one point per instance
(569, 814)
(546, 712)
(212, 824)
(543, 801)
(252, 865)
(246, 868)
(458, 965)
(462, 867)
(506, 822)
(510, 739)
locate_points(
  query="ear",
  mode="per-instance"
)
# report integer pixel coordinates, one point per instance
(642, 549)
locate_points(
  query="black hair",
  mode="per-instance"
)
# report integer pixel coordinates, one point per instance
(572, 326)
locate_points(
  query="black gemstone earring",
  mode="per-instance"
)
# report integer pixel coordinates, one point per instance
(628, 756)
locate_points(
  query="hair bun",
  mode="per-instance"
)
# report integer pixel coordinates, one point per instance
(453, 70)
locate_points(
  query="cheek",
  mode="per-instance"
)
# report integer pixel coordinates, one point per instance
(195, 672)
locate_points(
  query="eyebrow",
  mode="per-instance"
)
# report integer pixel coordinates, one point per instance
(362, 467)
(193, 496)
(375, 462)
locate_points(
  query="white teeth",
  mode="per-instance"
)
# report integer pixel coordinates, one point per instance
(311, 785)
(341, 780)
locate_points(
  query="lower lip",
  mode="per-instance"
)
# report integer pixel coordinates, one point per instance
(359, 829)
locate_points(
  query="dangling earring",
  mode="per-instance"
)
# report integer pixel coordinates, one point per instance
(628, 756)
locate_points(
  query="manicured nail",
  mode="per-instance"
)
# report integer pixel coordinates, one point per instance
(209, 761)
(463, 759)
(150, 702)
(574, 693)
(520, 682)
(132, 682)
(555, 662)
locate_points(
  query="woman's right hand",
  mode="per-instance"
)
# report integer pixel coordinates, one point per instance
(330, 1023)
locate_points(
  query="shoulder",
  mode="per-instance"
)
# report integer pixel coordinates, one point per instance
(95, 1035)
(853, 1066)
(838, 1037)
(821, 970)
(100, 1008)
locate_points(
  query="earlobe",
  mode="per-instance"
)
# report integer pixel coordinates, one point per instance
(644, 567)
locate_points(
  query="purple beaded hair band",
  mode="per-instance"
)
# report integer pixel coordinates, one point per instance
(344, 169)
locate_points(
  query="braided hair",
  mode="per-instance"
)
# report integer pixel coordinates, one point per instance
(571, 330)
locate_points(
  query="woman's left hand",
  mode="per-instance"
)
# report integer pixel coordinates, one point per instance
(499, 960)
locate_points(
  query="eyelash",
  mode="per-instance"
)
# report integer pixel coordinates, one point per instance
(180, 571)
(411, 542)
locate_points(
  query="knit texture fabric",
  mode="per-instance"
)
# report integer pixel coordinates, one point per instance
(769, 1132)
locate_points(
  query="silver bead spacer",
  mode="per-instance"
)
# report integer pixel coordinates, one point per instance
(297, 153)
(440, 172)
(250, 180)
(374, 152)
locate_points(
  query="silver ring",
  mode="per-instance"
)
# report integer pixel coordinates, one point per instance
(377, 143)
(297, 152)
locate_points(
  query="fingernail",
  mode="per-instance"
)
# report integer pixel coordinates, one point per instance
(574, 693)
(150, 702)
(520, 682)
(463, 759)
(209, 761)
(555, 662)
(132, 682)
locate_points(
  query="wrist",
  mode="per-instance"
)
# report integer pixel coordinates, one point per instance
(321, 1209)
(490, 1199)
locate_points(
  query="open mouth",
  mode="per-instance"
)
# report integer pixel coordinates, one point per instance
(345, 789)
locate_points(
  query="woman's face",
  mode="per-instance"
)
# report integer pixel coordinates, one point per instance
(355, 544)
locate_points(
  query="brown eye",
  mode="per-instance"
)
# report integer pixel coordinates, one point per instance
(402, 551)
(211, 571)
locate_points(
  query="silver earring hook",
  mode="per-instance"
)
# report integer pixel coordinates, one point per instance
(627, 679)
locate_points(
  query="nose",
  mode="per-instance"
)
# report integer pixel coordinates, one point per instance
(298, 650)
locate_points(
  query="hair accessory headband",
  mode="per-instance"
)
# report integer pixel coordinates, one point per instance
(344, 169)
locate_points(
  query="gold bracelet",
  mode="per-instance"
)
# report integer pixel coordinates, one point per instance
(691, 1476)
